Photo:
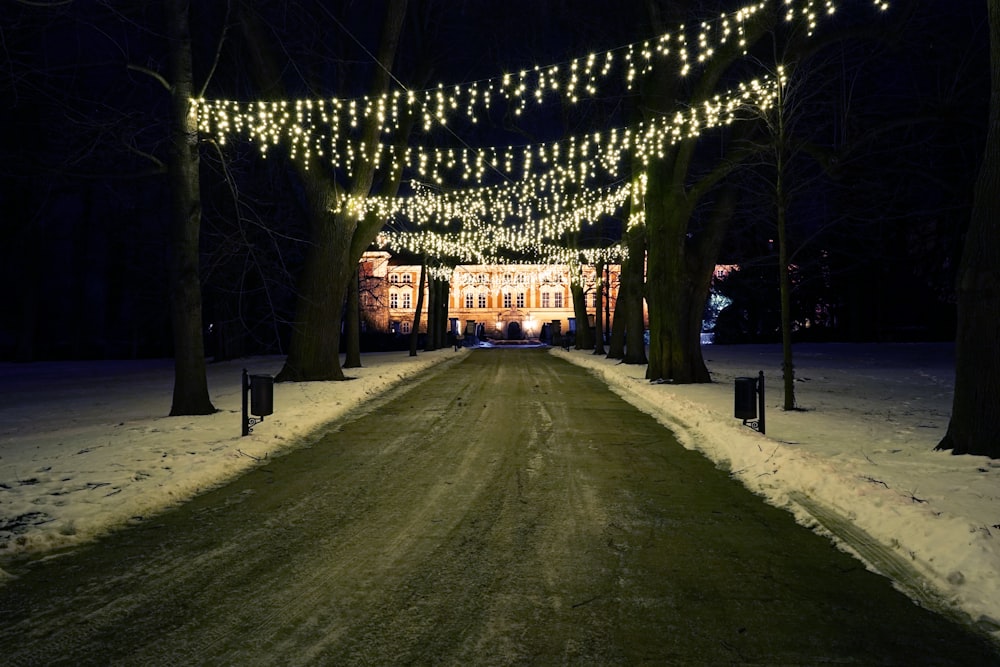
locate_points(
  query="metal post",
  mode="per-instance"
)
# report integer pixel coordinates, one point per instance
(760, 402)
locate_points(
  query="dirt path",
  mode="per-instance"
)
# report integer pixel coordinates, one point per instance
(508, 509)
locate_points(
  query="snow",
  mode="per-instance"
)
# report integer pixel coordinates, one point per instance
(85, 447)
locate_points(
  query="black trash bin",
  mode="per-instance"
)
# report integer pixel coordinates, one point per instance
(261, 395)
(746, 398)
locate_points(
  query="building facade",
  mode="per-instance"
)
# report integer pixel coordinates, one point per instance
(490, 302)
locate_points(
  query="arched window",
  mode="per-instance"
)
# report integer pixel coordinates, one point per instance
(481, 299)
(407, 300)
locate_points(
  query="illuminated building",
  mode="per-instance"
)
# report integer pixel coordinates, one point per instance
(490, 302)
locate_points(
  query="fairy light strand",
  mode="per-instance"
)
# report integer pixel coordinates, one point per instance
(553, 187)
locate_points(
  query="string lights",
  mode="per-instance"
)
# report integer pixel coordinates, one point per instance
(542, 174)
(314, 128)
(553, 188)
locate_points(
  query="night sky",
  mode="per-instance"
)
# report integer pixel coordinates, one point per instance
(894, 124)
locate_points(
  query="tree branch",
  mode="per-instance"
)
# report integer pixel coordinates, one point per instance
(156, 75)
(218, 50)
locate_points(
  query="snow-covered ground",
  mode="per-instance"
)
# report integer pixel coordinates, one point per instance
(86, 447)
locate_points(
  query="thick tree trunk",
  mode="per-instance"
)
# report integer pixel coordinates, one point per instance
(190, 382)
(314, 348)
(680, 278)
(352, 324)
(975, 415)
(674, 335)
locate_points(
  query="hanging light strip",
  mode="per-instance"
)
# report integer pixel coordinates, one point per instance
(549, 172)
(317, 128)
(479, 239)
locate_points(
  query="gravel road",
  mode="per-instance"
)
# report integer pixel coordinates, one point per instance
(507, 509)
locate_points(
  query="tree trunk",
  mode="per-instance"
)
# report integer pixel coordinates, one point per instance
(444, 287)
(616, 343)
(679, 265)
(784, 279)
(190, 382)
(352, 323)
(598, 308)
(674, 336)
(975, 414)
(337, 240)
(415, 331)
(584, 340)
(785, 286)
(430, 341)
(631, 292)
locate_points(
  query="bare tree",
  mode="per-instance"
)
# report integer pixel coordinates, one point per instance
(190, 382)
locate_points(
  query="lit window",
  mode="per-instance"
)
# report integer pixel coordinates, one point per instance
(394, 300)
(468, 299)
(520, 299)
(507, 301)
(482, 299)
(407, 300)
(546, 300)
